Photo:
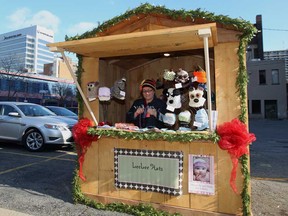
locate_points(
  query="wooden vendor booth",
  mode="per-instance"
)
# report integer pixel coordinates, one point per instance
(156, 167)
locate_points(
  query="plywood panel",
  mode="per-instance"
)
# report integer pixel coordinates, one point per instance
(99, 169)
(106, 153)
(114, 109)
(90, 73)
(198, 201)
(152, 196)
(160, 40)
(228, 106)
(184, 199)
(226, 70)
(90, 170)
(106, 166)
(130, 194)
(106, 184)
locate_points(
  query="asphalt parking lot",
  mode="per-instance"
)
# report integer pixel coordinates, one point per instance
(41, 183)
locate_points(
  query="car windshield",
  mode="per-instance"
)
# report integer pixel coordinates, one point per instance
(62, 111)
(35, 110)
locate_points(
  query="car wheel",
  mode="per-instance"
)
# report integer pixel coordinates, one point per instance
(33, 140)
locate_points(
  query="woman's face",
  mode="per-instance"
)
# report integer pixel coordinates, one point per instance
(148, 93)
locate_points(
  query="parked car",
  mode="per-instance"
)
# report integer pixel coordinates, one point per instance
(34, 125)
(62, 111)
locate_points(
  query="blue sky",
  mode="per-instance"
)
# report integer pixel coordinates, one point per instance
(72, 17)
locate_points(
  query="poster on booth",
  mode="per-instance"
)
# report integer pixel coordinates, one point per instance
(149, 170)
(201, 174)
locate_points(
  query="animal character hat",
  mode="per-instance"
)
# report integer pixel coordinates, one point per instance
(148, 83)
(118, 89)
(169, 75)
(196, 98)
(104, 94)
(182, 76)
(92, 90)
(173, 97)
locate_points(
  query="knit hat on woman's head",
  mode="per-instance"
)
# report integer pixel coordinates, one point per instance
(148, 83)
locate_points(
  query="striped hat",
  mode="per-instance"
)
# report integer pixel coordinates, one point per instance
(148, 83)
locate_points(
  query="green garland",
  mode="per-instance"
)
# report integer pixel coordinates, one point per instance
(185, 137)
(140, 209)
(248, 32)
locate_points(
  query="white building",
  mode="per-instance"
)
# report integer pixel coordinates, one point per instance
(28, 45)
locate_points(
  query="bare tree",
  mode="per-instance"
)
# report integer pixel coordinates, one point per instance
(64, 91)
(11, 70)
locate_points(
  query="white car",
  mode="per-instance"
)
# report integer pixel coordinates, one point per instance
(34, 125)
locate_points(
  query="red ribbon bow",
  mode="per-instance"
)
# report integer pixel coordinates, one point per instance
(235, 139)
(83, 140)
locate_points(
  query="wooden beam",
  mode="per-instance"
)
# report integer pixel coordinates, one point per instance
(163, 40)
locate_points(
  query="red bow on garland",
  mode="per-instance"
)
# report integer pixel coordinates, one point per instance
(83, 140)
(235, 139)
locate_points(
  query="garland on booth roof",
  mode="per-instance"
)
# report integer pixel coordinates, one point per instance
(198, 15)
(247, 30)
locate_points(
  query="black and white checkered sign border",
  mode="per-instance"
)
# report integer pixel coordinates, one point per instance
(149, 153)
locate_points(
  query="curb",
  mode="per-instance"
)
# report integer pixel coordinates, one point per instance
(7, 212)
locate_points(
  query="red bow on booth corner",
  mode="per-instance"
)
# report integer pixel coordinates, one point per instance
(234, 138)
(83, 140)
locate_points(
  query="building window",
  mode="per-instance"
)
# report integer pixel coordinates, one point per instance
(262, 77)
(275, 77)
(256, 106)
(256, 53)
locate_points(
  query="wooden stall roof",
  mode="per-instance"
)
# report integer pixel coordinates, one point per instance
(154, 41)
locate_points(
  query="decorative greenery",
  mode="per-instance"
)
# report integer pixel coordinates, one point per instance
(79, 74)
(245, 192)
(246, 32)
(245, 27)
(166, 136)
(141, 209)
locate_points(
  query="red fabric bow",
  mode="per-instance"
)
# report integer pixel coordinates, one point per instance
(235, 139)
(83, 140)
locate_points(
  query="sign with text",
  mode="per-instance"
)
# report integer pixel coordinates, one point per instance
(149, 170)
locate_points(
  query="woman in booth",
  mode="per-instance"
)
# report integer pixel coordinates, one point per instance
(148, 111)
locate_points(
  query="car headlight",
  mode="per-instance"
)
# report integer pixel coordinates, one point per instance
(56, 127)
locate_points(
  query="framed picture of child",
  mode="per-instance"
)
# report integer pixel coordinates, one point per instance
(201, 174)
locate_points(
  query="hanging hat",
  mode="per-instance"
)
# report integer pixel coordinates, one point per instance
(185, 116)
(148, 83)
(104, 94)
(169, 75)
(169, 119)
(118, 89)
(200, 75)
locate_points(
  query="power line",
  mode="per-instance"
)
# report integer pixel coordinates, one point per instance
(269, 29)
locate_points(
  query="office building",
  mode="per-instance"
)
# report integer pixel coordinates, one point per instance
(28, 48)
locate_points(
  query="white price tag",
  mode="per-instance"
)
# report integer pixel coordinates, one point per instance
(170, 108)
(178, 85)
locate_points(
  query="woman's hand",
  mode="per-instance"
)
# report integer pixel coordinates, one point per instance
(152, 112)
(138, 112)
